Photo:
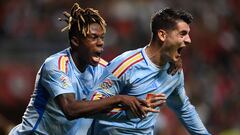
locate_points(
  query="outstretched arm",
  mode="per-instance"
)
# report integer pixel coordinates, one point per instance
(124, 112)
(76, 109)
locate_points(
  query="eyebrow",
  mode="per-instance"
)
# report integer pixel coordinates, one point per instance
(95, 34)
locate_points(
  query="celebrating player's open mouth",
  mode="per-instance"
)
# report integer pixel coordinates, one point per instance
(179, 50)
(96, 57)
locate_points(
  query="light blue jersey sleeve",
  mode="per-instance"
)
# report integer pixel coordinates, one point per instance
(185, 111)
(54, 80)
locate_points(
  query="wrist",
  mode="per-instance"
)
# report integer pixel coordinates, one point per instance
(118, 99)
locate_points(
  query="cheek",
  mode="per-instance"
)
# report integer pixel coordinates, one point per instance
(175, 44)
(85, 47)
(83, 51)
(170, 47)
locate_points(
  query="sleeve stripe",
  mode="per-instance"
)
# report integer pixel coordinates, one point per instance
(59, 62)
(124, 61)
(66, 66)
(63, 63)
(127, 64)
(103, 62)
(129, 67)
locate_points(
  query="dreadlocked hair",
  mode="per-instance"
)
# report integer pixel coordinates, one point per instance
(79, 20)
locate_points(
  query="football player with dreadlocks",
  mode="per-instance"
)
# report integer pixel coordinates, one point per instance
(67, 77)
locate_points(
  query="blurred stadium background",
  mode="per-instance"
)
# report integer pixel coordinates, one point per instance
(30, 32)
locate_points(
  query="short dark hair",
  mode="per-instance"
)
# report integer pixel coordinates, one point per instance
(166, 19)
(80, 19)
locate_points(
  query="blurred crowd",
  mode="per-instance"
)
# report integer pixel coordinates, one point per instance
(30, 32)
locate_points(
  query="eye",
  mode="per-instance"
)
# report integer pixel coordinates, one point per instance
(102, 37)
(94, 37)
(183, 33)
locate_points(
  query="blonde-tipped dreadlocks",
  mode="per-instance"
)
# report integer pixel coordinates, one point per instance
(80, 20)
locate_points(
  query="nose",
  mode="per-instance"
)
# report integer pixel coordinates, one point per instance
(100, 42)
(187, 40)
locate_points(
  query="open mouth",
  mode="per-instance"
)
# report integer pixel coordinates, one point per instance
(180, 50)
(96, 56)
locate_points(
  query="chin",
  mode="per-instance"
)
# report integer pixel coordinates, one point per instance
(176, 59)
(94, 64)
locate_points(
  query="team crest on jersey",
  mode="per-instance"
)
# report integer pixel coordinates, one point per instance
(97, 96)
(65, 81)
(106, 85)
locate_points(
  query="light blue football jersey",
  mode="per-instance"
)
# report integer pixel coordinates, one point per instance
(132, 73)
(57, 75)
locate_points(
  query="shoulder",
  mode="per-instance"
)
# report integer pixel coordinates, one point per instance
(58, 61)
(125, 61)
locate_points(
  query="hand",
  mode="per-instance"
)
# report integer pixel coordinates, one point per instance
(156, 100)
(135, 105)
(174, 67)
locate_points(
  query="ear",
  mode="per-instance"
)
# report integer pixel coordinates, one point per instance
(162, 35)
(75, 41)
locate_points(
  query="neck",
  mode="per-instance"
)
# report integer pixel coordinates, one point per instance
(80, 64)
(153, 51)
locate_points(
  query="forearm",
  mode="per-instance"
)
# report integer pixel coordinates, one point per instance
(191, 120)
(129, 107)
(76, 109)
(114, 113)
(105, 109)
(88, 108)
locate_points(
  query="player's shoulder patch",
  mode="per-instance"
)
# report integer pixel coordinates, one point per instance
(63, 63)
(103, 62)
(127, 63)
